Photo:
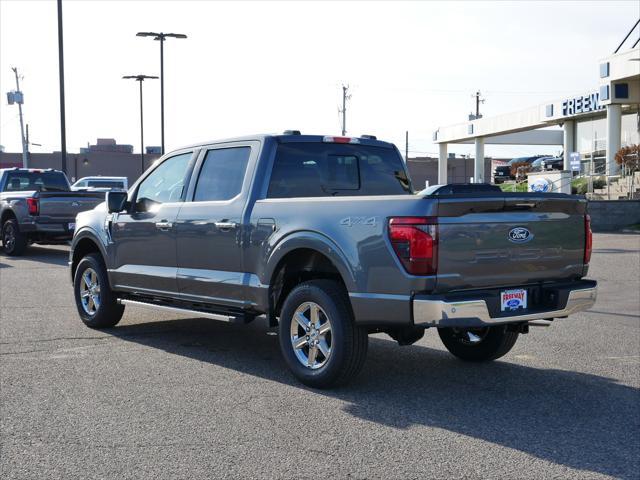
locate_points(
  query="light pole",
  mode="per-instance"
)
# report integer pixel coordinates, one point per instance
(160, 36)
(140, 79)
(63, 122)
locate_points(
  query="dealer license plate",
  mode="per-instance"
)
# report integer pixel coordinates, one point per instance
(515, 299)
(72, 226)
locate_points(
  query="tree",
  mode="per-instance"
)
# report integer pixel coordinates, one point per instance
(629, 157)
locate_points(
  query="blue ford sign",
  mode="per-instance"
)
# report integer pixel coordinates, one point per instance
(541, 185)
(519, 235)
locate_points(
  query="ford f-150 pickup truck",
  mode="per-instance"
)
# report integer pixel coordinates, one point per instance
(38, 206)
(325, 238)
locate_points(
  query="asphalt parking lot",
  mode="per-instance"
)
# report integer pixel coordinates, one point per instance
(162, 396)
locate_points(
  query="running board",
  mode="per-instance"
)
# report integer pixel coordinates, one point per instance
(185, 311)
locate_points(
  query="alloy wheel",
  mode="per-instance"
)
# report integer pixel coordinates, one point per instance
(311, 335)
(471, 336)
(90, 291)
(9, 237)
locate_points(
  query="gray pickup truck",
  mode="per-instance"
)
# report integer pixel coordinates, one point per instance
(325, 238)
(38, 206)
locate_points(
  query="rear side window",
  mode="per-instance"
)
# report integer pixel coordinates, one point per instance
(222, 174)
(327, 169)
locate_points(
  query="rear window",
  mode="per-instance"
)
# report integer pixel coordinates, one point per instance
(328, 169)
(43, 181)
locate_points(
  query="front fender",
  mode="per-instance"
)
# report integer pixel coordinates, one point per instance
(87, 232)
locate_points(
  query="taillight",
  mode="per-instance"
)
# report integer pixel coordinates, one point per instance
(588, 239)
(33, 206)
(415, 242)
(340, 140)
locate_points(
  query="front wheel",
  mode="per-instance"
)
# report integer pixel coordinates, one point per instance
(97, 304)
(478, 344)
(319, 339)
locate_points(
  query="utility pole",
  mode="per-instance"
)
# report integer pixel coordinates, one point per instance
(345, 97)
(63, 127)
(20, 101)
(478, 102)
(406, 146)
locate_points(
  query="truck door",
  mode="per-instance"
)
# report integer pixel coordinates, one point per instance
(211, 226)
(145, 237)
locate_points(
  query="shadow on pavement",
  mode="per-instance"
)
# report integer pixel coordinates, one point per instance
(51, 256)
(613, 250)
(579, 420)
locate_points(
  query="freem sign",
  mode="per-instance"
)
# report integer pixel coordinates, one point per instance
(582, 104)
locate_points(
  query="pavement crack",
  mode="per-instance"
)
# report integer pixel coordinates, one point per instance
(57, 339)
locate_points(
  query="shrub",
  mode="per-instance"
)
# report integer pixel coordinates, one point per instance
(580, 186)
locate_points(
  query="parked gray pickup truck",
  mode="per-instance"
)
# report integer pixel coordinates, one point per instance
(38, 206)
(325, 237)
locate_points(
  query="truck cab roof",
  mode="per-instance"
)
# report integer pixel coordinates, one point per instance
(291, 136)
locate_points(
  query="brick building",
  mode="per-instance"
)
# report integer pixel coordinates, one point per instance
(106, 157)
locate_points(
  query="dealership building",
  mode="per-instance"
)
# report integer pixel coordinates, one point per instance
(593, 124)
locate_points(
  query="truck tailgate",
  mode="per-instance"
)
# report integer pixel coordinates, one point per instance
(64, 206)
(509, 240)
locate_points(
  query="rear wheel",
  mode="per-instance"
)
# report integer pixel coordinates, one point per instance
(14, 242)
(478, 344)
(318, 337)
(96, 303)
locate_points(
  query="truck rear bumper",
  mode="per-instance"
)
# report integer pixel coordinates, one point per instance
(454, 310)
(59, 230)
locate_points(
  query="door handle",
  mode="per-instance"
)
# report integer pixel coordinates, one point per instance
(164, 225)
(225, 225)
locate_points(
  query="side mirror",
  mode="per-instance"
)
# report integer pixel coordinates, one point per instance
(116, 201)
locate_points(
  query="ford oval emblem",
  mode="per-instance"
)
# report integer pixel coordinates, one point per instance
(520, 235)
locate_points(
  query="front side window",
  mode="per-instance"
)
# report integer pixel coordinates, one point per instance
(165, 184)
(222, 174)
(309, 169)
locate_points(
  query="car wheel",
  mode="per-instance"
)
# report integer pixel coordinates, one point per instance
(319, 339)
(97, 304)
(478, 344)
(14, 242)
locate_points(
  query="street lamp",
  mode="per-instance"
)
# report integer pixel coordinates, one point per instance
(161, 38)
(140, 79)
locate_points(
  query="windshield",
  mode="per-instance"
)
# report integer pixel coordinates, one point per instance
(43, 181)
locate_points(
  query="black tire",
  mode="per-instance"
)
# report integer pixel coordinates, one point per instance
(494, 342)
(14, 242)
(108, 311)
(348, 348)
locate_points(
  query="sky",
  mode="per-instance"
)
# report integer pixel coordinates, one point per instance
(259, 67)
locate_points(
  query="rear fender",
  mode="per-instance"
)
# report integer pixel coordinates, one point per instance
(311, 241)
